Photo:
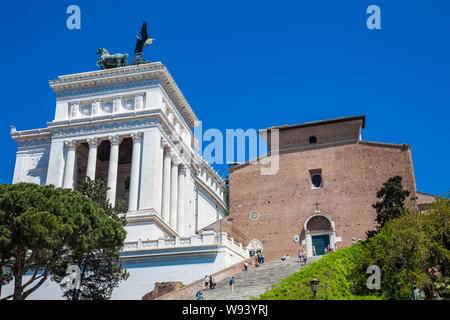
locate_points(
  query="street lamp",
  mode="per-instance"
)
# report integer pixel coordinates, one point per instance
(314, 286)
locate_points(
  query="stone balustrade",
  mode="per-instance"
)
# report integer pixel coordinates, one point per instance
(207, 238)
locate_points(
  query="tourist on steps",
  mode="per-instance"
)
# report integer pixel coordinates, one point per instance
(245, 265)
(199, 295)
(262, 257)
(206, 282)
(211, 282)
(232, 281)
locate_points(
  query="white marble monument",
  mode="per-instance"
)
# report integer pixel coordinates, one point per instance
(132, 127)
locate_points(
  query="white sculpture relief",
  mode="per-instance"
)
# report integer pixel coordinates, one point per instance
(139, 101)
(107, 107)
(117, 104)
(75, 110)
(128, 104)
(86, 110)
(95, 107)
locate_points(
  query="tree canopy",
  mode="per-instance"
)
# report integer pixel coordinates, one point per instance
(392, 204)
(41, 227)
(101, 269)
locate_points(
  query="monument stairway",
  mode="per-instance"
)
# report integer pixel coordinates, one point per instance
(255, 281)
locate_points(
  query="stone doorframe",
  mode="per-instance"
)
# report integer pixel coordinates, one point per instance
(308, 234)
(254, 245)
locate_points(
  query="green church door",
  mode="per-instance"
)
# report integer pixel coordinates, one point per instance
(320, 243)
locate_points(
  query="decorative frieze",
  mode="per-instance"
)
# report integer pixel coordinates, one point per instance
(33, 142)
(107, 127)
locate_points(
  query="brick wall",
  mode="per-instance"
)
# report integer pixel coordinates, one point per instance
(352, 173)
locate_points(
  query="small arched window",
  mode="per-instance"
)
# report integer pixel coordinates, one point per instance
(312, 140)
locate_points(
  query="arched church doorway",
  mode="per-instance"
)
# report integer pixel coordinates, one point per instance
(319, 234)
(254, 246)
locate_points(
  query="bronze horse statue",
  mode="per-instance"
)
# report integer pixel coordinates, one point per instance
(108, 61)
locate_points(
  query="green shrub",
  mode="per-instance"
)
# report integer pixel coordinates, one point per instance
(335, 271)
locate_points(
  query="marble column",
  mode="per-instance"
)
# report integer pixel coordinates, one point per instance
(113, 166)
(92, 157)
(308, 240)
(150, 187)
(165, 206)
(135, 171)
(180, 202)
(70, 164)
(174, 193)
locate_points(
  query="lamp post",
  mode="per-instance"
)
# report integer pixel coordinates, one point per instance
(314, 286)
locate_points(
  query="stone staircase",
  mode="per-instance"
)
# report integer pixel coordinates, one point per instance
(255, 281)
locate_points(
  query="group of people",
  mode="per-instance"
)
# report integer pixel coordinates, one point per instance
(209, 282)
(259, 258)
(302, 257)
(285, 257)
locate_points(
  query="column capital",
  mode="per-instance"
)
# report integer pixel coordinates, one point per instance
(137, 136)
(93, 142)
(115, 139)
(175, 161)
(182, 170)
(167, 153)
(70, 145)
(164, 143)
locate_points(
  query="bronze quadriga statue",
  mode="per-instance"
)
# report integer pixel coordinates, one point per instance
(108, 61)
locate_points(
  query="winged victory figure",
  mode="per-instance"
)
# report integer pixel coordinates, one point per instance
(141, 42)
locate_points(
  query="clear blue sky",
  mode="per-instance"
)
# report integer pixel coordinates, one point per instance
(251, 64)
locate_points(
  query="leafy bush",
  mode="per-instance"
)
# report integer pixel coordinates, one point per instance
(406, 248)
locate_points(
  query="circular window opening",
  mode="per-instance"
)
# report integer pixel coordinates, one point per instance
(254, 215)
(316, 180)
(312, 140)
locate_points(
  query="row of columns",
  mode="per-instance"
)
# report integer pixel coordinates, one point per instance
(173, 190)
(173, 182)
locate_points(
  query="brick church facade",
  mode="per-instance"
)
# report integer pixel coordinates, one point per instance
(323, 191)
